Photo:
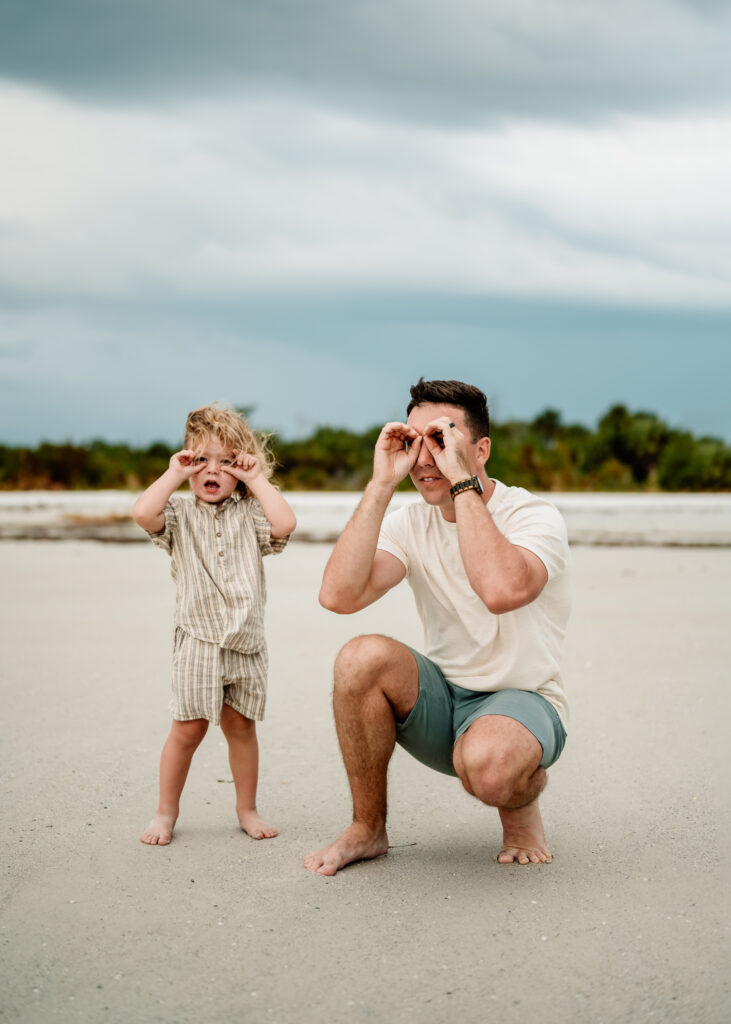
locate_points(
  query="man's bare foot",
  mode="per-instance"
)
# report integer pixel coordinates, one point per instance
(356, 843)
(253, 826)
(524, 841)
(160, 831)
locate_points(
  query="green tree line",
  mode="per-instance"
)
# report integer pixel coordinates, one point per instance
(627, 451)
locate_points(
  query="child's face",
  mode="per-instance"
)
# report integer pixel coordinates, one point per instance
(213, 484)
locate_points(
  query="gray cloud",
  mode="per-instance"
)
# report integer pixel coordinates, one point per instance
(271, 203)
(468, 60)
(132, 373)
(229, 197)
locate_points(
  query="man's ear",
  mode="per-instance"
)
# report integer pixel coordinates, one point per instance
(483, 450)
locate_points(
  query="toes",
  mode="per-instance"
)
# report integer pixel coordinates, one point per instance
(267, 832)
(313, 862)
(320, 864)
(255, 828)
(154, 840)
(513, 854)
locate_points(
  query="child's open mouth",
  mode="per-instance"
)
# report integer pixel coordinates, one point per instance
(211, 487)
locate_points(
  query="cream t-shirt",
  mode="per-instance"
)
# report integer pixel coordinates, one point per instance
(475, 649)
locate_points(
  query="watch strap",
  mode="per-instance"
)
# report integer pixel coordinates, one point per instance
(471, 484)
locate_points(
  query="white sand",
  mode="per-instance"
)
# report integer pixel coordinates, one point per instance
(626, 925)
(689, 520)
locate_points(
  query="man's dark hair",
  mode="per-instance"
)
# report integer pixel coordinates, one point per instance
(453, 392)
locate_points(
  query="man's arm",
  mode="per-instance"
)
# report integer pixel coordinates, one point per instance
(357, 573)
(503, 575)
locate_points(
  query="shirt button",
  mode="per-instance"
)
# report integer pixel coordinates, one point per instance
(220, 554)
(218, 534)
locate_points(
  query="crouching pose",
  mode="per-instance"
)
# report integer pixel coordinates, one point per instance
(488, 566)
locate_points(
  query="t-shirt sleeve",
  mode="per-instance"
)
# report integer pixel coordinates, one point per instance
(393, 537)
(164, 539)
(541, 529)
(268, 545)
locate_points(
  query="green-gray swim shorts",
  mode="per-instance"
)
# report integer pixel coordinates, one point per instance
(444, 711)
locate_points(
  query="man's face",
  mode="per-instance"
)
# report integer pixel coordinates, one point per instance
(430, 483)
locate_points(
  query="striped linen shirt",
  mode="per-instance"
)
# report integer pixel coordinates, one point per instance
(216, 562)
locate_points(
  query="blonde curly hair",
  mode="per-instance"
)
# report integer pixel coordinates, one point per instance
(233, 432)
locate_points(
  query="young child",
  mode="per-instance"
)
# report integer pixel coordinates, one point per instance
(216, 542)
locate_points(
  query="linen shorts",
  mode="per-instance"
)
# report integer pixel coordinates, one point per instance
(206, 676)
(443, 711)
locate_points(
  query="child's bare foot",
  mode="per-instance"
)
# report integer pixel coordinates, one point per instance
(252, 824)
(160, 831)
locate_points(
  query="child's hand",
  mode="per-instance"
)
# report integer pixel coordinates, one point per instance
(246, 468)
(185, 463)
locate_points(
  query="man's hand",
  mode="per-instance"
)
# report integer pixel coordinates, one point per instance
(245, 468)
(186, 464)
(446, 445)
(396, 452)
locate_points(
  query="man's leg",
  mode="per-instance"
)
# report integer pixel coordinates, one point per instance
(376, 683)
(499, 761)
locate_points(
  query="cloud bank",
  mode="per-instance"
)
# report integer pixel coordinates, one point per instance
(333, 188)
(469, 60)
(220, 200)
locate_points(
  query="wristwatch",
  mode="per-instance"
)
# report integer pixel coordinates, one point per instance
(471, 484)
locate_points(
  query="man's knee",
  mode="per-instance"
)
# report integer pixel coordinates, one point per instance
(376, 663)
(493, 768)
(488, 777)
(363, 659)
(495, 758)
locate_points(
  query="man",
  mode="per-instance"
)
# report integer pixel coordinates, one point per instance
(488, 565)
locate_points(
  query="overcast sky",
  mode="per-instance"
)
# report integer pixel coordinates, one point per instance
(304, 206)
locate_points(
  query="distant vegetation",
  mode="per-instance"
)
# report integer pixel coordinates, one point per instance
(627, 451)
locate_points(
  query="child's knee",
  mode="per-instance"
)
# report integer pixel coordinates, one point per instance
(232, 721)
(190, 733)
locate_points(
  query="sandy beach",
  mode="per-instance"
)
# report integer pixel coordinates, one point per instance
(628, 924)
